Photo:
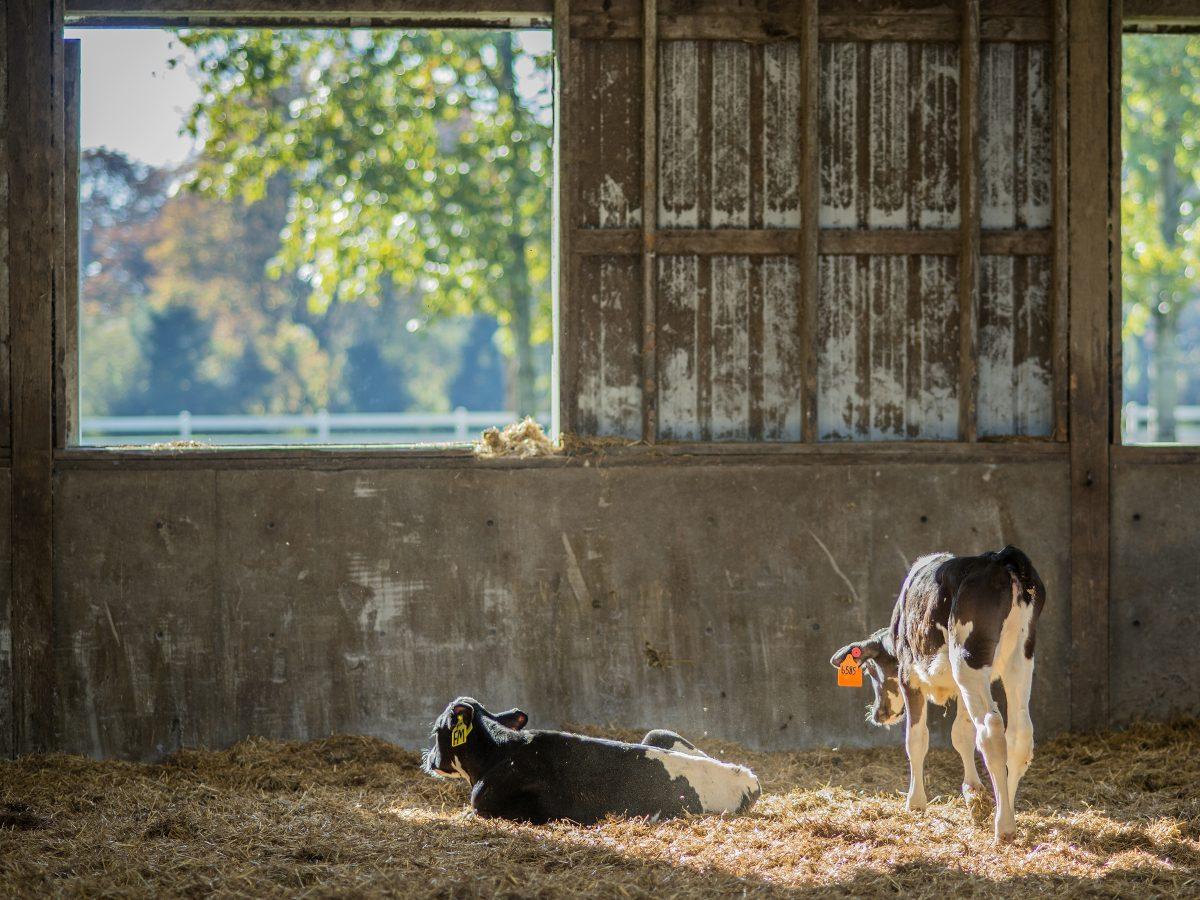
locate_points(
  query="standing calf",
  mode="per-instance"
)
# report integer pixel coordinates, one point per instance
(959, 624)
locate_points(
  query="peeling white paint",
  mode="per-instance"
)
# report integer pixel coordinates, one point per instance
(782, 410)
(1014, 135)
(1015, 374)
(781, 138)
(678, 124)
(730, 347)
(678, 297)
(730, 137)
(885, 372)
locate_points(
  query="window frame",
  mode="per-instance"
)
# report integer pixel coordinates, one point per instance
(1135, 17)
(553, 14)
(483, 14)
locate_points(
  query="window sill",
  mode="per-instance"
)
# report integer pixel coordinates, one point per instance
(461, 456)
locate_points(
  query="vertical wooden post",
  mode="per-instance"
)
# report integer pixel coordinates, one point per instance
(649, 220)
(1116, 369)
(35, 220)
(1060, 263)
(810, 225)
(562, 402)
(968, 260)
(66, 301)
(1088, 232)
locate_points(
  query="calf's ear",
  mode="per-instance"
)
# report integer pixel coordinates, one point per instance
(463, 711)
(514, 719)
(858, 650)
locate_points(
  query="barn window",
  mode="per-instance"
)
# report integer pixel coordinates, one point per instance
(312, 235)
(1160, 232)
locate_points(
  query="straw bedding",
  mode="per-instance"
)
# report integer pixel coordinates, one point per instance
(1117, 814)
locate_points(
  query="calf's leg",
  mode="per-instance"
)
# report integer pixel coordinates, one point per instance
(669, 740)
(962, 735)
(916, 742)
(1019, 735)
(975, 689)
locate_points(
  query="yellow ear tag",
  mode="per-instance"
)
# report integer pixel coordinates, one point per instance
(849, 674)
(458, 734)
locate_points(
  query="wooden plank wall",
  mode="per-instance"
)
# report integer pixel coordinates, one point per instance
(804, 278)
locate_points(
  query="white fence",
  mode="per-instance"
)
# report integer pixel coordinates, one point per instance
(1141, 424)
(321, 427)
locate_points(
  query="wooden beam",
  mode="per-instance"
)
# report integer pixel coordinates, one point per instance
(109, 459)
(565, 358)
(649, 220)
(66, 302)
(740, 26)
(405, 10)
(1060, 260)
(1088, 231)
(791, 242)
(35, 220)
(1151, 13)
(968, 189)
(810, 225)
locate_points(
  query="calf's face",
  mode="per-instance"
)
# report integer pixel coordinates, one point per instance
(874, 658)
(459, 736)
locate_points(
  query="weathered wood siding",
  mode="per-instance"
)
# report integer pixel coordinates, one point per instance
(605, 140)
(1014, 135)
(608, 314)
(1015, 376)
(887, 348)
(889, 134)
(729, 135)
(729, 348)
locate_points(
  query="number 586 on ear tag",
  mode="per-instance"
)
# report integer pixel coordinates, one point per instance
(849, 673)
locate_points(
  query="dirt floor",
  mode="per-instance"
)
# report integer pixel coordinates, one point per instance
(1112, 815)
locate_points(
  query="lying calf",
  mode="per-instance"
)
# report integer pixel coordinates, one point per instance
(538, 776)
(959, 624)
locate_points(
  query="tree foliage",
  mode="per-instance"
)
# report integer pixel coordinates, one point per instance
(1160, 209)
(417, 159)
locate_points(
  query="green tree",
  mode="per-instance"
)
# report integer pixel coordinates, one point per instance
(1160, 202)
(416, 157)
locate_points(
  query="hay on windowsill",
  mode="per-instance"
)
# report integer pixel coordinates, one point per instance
(520, 440)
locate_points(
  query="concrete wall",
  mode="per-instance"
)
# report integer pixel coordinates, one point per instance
(198, 607)
(1154, 667)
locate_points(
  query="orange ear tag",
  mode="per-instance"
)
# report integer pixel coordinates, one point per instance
(849, 674)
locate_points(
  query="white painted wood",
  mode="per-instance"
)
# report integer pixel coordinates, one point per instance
(730, 138)
(678, 297)
(781, 137)
(1015, 378)
(782, 403)
(839, 149)
(730, 347)
(1014, 135)
(678, 135)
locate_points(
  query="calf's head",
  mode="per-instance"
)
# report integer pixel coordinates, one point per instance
(876, 657)
(464, 734)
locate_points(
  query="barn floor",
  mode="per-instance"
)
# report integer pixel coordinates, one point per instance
(1110, 815)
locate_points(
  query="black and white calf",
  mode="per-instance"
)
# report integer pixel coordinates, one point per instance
(959, 624)
(538, 776)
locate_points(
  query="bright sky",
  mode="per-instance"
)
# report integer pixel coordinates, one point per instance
(134, 102)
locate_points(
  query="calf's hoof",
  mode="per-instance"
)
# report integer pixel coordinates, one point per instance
(916, 804)
(974, 793)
